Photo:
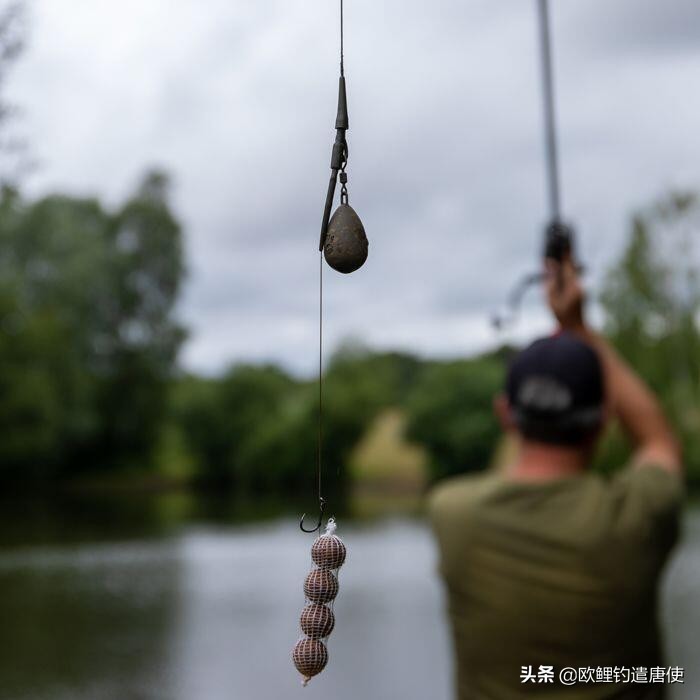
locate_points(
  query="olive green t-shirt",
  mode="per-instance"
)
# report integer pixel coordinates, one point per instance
(560, 573)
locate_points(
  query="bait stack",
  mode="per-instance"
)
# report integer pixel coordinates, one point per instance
(310, 653)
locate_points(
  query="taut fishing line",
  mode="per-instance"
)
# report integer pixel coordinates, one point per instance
(344, 246)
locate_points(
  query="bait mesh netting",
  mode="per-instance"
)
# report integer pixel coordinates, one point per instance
(310, 654)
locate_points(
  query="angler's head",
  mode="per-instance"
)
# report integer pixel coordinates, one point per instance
(555, 393)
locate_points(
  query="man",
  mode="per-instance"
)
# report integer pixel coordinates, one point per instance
(549, 566)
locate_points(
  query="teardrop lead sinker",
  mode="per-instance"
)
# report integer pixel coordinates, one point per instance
(346, 243)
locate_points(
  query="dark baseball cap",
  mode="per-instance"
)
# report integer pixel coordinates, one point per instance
(556, 390)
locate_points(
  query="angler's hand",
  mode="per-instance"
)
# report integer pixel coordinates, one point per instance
(565, 294)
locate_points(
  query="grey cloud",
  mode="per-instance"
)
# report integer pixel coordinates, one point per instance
(238, 101)
(639, 27)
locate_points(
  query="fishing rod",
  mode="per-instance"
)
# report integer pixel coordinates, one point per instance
(559, 237)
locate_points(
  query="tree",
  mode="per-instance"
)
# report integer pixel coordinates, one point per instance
(88, 338)
(225, 420)
(136, 337)
(12, 31)
(651, 300)
(450, 412)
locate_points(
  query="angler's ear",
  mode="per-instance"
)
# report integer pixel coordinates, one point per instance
(501, 408)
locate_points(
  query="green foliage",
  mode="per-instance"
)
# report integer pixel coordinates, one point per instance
(136, 338)
(225, 421)
(450, 412)
(358, 385)
(87, 337)
(257, 427)
(30, 410)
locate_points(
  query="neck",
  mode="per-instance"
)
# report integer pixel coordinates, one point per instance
(540, 461)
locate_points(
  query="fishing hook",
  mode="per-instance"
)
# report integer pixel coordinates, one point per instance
(321, 505)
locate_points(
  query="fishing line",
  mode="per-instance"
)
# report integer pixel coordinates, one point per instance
(343, 243)
(342, 40)
(319, 461)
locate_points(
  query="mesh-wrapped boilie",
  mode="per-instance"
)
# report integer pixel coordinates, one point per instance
(310, 654)
(321, 586)
(310, 657)
(317, 621)
(328, 552)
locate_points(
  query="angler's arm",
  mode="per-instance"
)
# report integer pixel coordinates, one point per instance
(629, 398)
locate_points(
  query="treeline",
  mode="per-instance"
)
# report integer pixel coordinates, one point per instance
(257, 427)
(90, 388)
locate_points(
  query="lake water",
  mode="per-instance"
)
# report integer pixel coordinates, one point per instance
(166, 599)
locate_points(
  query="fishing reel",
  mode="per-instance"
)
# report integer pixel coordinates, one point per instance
(559, 244)
(558, 241)
(343, 238)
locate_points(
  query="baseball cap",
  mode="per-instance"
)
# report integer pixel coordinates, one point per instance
(556, 390)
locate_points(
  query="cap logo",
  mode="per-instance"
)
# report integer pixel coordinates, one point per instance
(542, 393)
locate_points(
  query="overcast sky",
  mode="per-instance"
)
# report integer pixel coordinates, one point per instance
(237, 100)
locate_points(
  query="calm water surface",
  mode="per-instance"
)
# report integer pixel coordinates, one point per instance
(165, 601)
